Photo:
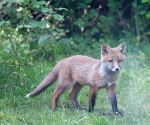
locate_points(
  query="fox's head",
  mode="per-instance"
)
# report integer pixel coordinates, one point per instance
(113, 58)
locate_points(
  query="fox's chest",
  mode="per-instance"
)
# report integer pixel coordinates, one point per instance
(110, 79)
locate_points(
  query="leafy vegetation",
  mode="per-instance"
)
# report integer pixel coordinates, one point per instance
(35, 34)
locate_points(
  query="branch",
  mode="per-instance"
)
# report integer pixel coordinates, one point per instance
(136, 22)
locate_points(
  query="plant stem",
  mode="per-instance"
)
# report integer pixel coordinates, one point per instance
(136, 22)
(13, 48)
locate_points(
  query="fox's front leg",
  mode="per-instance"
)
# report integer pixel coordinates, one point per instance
(92, 98)
(113, 100)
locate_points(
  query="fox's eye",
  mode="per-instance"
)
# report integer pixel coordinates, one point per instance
(110, 61)
(119, 60)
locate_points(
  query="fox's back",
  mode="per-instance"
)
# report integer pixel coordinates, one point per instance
(78, 68)
(78, 61)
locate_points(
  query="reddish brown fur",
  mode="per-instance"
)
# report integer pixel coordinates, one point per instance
(76, 71)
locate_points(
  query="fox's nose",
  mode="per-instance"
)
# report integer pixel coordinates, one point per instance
(117, 69)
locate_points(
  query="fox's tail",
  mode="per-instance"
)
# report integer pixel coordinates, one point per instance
(49, 79)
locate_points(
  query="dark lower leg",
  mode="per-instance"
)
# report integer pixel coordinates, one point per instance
(92, 98)
(114, 105)
(113, 100)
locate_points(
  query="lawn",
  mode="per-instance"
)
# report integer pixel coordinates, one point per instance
(133, 95)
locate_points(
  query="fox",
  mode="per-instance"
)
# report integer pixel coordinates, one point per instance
(76, 71)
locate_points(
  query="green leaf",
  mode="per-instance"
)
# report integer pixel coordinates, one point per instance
(45, 9)
(58, 17)
(83, 5)
(41, 24)
(134, 5)
(35, 24)
(142, 12)
(94, 30)
(88, 1)
(41, 2)
(92, 13)
(17, 1)
(27, 26)
(148, 15)
(145, 1)
(19, 26)
(34, 1)
(36, 6)
(4, 23)
(107, 21)
(44, 39)
(113, 5)
(80, 23)
(103, 18)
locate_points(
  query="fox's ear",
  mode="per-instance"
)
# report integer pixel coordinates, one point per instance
(122, 48)
(105, 49)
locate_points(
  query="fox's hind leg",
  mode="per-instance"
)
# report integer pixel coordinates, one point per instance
(61, 88)
(74, 93)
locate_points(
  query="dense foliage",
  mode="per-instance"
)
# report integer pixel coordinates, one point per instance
(40, 29)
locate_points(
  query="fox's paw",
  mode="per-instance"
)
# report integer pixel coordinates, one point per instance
(119, 113)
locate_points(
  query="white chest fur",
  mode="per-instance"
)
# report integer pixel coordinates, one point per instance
(109, 78)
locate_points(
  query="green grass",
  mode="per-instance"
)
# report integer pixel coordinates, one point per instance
(133, 94)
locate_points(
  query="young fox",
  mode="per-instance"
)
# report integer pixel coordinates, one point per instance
(76, 71)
